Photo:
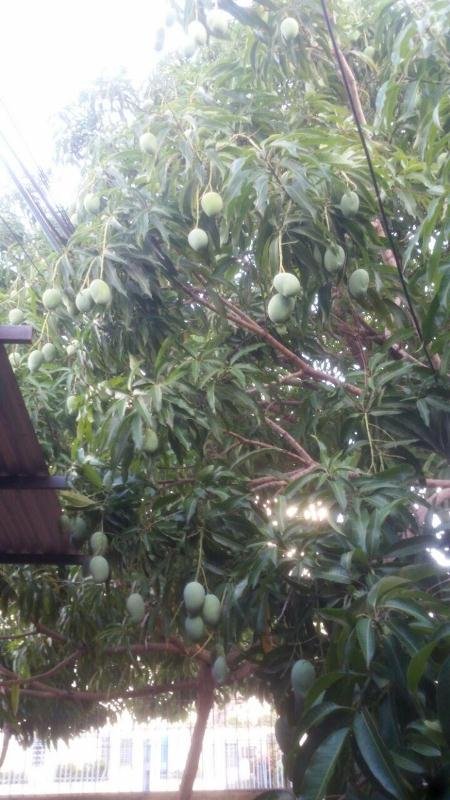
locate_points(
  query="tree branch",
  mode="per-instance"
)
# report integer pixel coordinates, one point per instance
(5, 744)
(175, 647)
(306, 458)
(241, 319)
(44, 691)
(61, 665)
(353, 86)
(265, 446)
(48, 632)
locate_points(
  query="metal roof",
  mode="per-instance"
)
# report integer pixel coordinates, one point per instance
(30, 530)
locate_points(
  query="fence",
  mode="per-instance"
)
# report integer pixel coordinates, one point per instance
(233, 794)
(239, 752)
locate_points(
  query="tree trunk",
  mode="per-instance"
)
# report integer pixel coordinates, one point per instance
(5, 745)
(204, 703)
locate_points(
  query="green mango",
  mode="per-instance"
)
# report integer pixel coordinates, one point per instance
(303, 676)
(211, 609)
(286, 284)
(280, 308)
(194, 597)
(220, 670)
(358, 282)
(349, 204)
(194, 628)
(99, 569)
(136, 607)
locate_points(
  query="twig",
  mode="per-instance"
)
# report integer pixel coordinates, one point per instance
(265, 445)
(47, 674)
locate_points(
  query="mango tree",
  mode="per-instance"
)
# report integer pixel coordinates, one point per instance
(249, 393)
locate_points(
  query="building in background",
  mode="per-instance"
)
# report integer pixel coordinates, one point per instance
(239, 751)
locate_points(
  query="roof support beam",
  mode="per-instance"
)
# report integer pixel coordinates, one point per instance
(57, 559)
(37, 482)
(16, 334)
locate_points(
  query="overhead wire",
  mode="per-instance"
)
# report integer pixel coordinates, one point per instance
(52, 219)
(383, 215)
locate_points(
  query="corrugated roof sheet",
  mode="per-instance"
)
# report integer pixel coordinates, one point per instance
(29, 518)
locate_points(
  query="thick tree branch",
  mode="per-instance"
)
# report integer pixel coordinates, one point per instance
(49, 632)
(442, 483)
(239, 318)
(174, 647)
(5, 744)
(204, 704)
(353, 86)
(78, 695)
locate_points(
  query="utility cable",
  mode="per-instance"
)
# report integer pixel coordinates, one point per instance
(383, 215)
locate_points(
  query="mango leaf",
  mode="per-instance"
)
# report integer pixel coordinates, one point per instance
(443, 698)
(417, 666)
(377, 757)
(73, 499)
(14, 698)
(323, 764)
(385, 586)
(365, 633)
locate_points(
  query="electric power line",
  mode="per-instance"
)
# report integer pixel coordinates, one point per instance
(373, 176)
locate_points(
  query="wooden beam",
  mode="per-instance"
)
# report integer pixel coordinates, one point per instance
(57, 559)
(16, 334)
(27, 482)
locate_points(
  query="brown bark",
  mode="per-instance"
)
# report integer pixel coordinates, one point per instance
(6, 739)
(204, 703)
(240, 319)
(353, 87)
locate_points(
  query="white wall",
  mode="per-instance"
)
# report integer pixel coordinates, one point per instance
(239, 752)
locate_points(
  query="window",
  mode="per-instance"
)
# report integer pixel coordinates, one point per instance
(231, 755)
(126, 752)
(147, 752)
(38, 754)
(147, 760)
(105, 747)
(81, 773)
(164, 767)
(10, 778)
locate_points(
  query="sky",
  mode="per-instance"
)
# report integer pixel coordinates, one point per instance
(50, 50)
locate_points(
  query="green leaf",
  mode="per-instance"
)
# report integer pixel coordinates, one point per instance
(324, 682)
(73, 499)
(408, 607)
(14, 698)
(443, 698)
(376, 756)
(383, 587)
(365, 633)
(417, 666)
(92, 475)
(320, 711)
(322, 765)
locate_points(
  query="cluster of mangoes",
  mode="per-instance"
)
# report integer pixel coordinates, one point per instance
(203, 610)
(281, 305)
(212, 205)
